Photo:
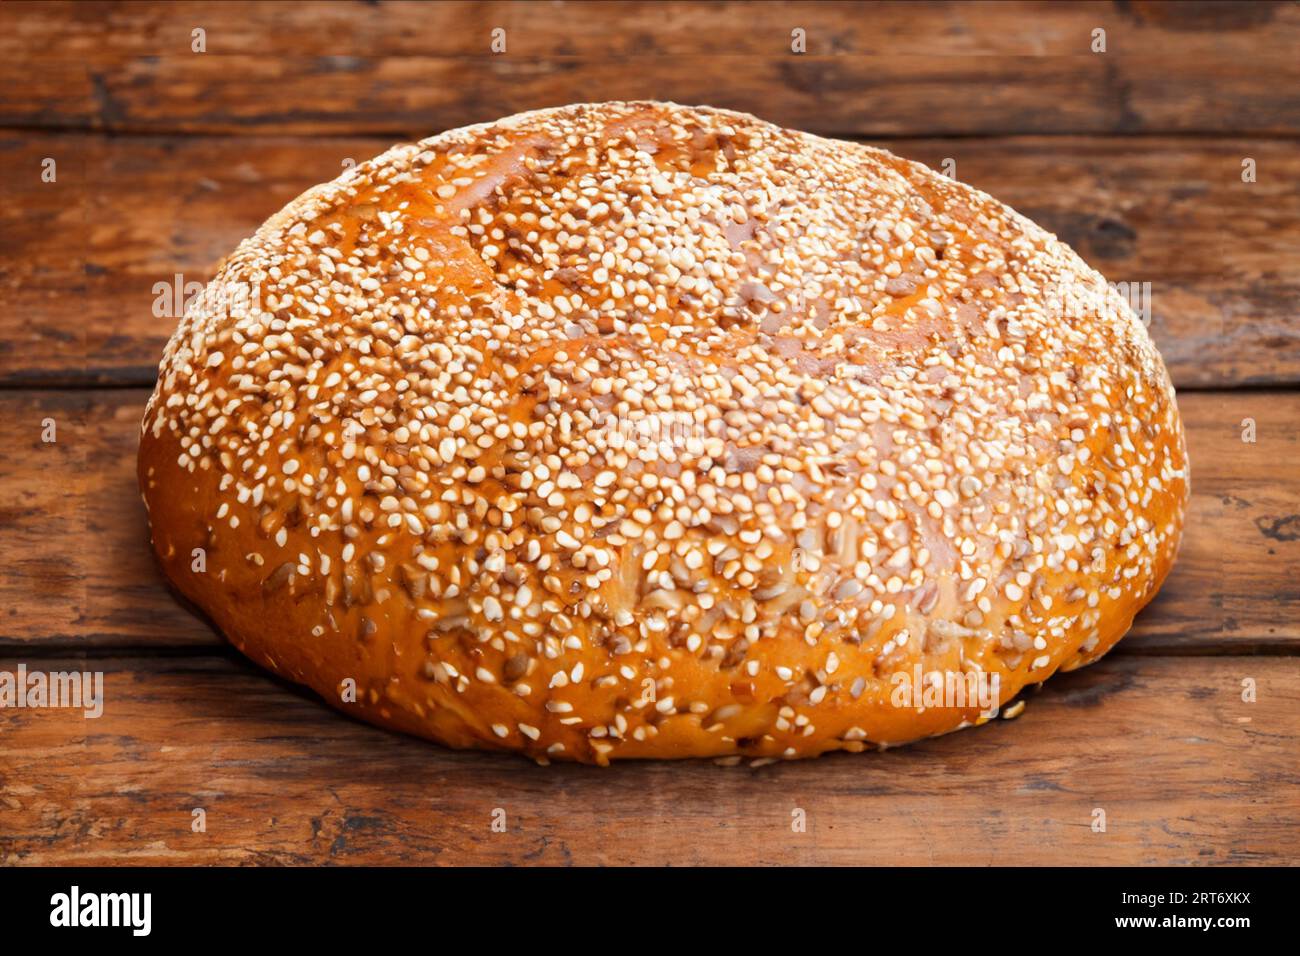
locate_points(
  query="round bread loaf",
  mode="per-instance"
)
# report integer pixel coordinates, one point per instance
(639, 430)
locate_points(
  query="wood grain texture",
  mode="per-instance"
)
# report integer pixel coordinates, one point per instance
(82, 574)
(1185, 771)
(890, 70)
(86, 252)
(865, 96)
(86, 31)
(78, 569)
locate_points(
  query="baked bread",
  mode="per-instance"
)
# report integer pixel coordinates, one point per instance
(640, 430)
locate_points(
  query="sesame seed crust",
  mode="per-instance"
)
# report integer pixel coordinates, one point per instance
(642, 430)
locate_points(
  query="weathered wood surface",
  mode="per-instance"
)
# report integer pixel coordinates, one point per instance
(864, 95)
(79, 572)
(1185, 771)
(88, 31)
(891, 70)
(85, 253)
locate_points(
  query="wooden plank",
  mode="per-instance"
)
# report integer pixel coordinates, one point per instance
(869, 69)
(1185, 771)
(98, 31)
(1234, 584)
(78, 568)
(887, 95)
(81, 573)
(43, 534)
(86, 252)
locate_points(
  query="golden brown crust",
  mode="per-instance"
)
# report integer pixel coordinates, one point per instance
(637, 430)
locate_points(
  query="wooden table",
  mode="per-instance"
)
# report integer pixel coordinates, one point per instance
(166, 157)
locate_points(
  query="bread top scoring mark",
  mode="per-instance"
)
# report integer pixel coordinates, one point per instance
(608, 391)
